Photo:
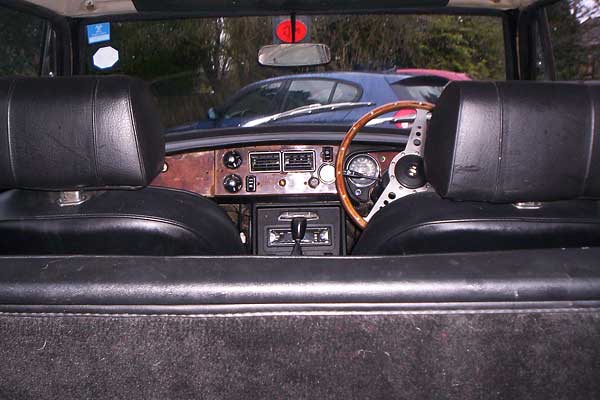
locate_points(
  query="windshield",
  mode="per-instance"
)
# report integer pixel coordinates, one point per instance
(205, 75)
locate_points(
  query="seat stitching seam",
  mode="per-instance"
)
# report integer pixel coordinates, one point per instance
(323, 313)
(456, 140)
(591, 141)
(500, 101)
(94, 139)
(135, 133)
(11, 90)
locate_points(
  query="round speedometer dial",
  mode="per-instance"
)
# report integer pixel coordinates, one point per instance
(365, 168)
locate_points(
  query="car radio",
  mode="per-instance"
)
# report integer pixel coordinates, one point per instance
(323, 234)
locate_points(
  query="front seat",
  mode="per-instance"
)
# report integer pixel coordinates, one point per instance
(76, 157)
(514, 165)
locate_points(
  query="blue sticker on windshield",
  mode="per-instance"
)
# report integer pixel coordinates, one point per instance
(98, 32)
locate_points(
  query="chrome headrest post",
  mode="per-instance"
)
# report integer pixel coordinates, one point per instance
(73, 198)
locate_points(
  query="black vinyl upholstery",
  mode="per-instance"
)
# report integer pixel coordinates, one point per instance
(150, 221)
(100, 136)
(426, 223)
(81, 132)
(490, 147)
(515, 141)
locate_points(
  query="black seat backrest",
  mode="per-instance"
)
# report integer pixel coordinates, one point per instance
(515, 165)
(78, 133)
(509, 142)
(76, 155)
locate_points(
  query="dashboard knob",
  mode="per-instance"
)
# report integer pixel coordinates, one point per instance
(232, 159)
(233, 183)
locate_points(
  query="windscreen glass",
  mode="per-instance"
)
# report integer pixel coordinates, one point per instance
(205, 73)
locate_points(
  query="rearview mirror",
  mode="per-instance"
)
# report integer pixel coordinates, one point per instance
(294, 55)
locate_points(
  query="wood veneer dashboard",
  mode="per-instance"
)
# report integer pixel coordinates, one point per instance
(204, 172)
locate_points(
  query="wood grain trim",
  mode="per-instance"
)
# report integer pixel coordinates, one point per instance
(202, 172)
(269, 183)
(383, 158)
(194, 172)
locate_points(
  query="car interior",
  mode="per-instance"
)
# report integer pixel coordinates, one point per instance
(455, 258)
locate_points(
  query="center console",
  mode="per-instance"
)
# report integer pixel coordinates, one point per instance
(324, 234)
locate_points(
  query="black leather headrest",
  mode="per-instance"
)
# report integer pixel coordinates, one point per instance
(515, 142)
(79, 132)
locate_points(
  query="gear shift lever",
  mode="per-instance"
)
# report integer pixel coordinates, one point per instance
(298, 232)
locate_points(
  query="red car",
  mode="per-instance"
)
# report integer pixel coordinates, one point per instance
(449, 75)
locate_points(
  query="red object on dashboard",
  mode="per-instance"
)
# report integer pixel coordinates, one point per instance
(406, 112)
(284, 31)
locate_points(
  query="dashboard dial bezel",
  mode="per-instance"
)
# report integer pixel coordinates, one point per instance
(351, 159)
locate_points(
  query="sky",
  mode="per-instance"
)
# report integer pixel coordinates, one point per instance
(594, 6)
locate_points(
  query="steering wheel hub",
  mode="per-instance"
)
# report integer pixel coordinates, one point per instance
(410, 171)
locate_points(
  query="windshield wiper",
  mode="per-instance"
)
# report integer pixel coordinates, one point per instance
(307, 110)
(395, 120)
(391, 120)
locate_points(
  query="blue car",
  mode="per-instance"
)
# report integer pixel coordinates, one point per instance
(338, 98)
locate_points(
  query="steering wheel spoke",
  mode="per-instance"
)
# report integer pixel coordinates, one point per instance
(418, 134)
(393, 192)
(414, 147)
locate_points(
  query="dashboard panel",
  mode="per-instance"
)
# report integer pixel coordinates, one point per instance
(258, 170)
(280, 170)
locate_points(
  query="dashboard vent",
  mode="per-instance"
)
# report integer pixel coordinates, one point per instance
(265, 162)
(298, 161)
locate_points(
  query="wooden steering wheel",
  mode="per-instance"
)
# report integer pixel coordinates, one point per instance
(396, 188)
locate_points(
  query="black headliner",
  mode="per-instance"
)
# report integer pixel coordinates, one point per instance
(270, 6)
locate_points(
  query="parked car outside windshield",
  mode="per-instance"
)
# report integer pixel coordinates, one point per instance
(338, 98)
(205, 75)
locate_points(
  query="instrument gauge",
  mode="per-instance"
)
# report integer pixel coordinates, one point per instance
(365, 168)
(327, 173)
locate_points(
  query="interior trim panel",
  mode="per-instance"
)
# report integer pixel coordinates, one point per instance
(219, 138)
(530, 279)
(208, 173)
